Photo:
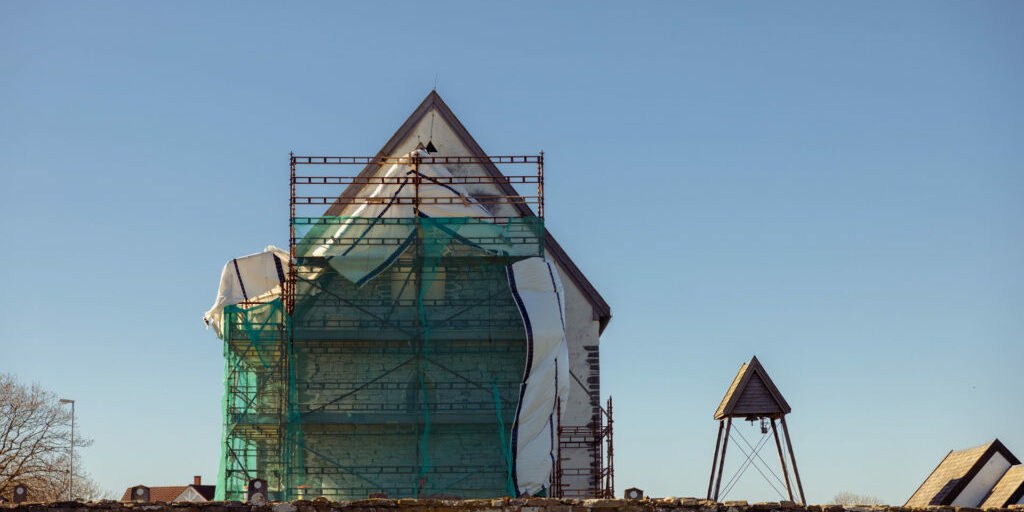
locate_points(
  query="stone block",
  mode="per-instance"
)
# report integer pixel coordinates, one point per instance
(602, 503)
(542, 502)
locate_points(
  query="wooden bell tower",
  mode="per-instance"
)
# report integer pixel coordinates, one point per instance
(753, 397)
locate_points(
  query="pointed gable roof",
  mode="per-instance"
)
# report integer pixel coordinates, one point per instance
(434, 103)
(957, 469)
(752, 393)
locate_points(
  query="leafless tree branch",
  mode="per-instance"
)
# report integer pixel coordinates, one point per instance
(35, 439)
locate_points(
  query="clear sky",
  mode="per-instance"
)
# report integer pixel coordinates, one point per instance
(833, 186)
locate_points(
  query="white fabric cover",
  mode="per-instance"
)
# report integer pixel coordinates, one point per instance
(541, 299)
(359, 261)
(534, 284)
(250, 277)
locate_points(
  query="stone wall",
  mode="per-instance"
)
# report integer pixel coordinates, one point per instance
(496, 505)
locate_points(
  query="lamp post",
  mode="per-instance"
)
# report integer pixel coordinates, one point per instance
(71, 461)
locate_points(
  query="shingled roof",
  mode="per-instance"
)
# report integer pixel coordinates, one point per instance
(752, 393)
(953, 474)
(1008, 491)
(434, 103)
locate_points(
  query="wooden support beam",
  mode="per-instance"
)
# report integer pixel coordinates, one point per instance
(721, 463)
(714, 460)
(782, 460)
(792, 458)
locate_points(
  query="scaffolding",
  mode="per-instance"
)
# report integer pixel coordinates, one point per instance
(405, 382)
(598, 470)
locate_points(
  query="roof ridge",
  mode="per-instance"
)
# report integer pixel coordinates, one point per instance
(739, 386)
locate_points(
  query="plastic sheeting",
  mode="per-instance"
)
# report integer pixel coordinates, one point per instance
(366, 241)
(369, 239)
(539, 294)
(259, 275)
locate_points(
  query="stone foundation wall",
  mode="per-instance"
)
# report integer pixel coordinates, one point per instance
(496, 505)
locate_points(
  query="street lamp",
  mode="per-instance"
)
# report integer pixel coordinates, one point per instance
(71, 462)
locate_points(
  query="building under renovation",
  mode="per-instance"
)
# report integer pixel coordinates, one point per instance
(422, 335)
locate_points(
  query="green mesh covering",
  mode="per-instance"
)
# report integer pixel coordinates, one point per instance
(406, 383)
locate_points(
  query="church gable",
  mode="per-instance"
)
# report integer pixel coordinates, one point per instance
(434, 124)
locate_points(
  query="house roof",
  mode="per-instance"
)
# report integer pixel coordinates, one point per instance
(206, 491)
(433, 102)
(1009, 490)
(169, 493)
(752, 393)
(165, 494)
(953, 474)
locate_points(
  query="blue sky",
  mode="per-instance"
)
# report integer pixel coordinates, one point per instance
(835, 187)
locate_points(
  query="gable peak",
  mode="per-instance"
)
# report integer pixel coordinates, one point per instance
(752, 394)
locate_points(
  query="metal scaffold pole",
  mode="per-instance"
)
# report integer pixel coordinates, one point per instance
(343, 388)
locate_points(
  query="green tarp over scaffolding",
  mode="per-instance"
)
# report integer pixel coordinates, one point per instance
(405, 382)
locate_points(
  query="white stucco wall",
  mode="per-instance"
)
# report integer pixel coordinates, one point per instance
(581, 333)
(448, 144)
(979, 486)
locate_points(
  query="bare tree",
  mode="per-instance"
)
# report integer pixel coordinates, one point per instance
(849, 498)
(35, 442)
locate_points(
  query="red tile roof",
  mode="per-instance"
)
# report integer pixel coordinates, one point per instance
(168, 494)
(165, 494)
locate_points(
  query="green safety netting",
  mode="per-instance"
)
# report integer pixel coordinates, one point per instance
(397, 371)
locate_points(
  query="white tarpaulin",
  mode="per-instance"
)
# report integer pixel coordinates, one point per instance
(353, 246)
(541, 299)
(355, 251)
(254, 276)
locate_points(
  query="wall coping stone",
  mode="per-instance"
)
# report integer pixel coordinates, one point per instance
(479, 505)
